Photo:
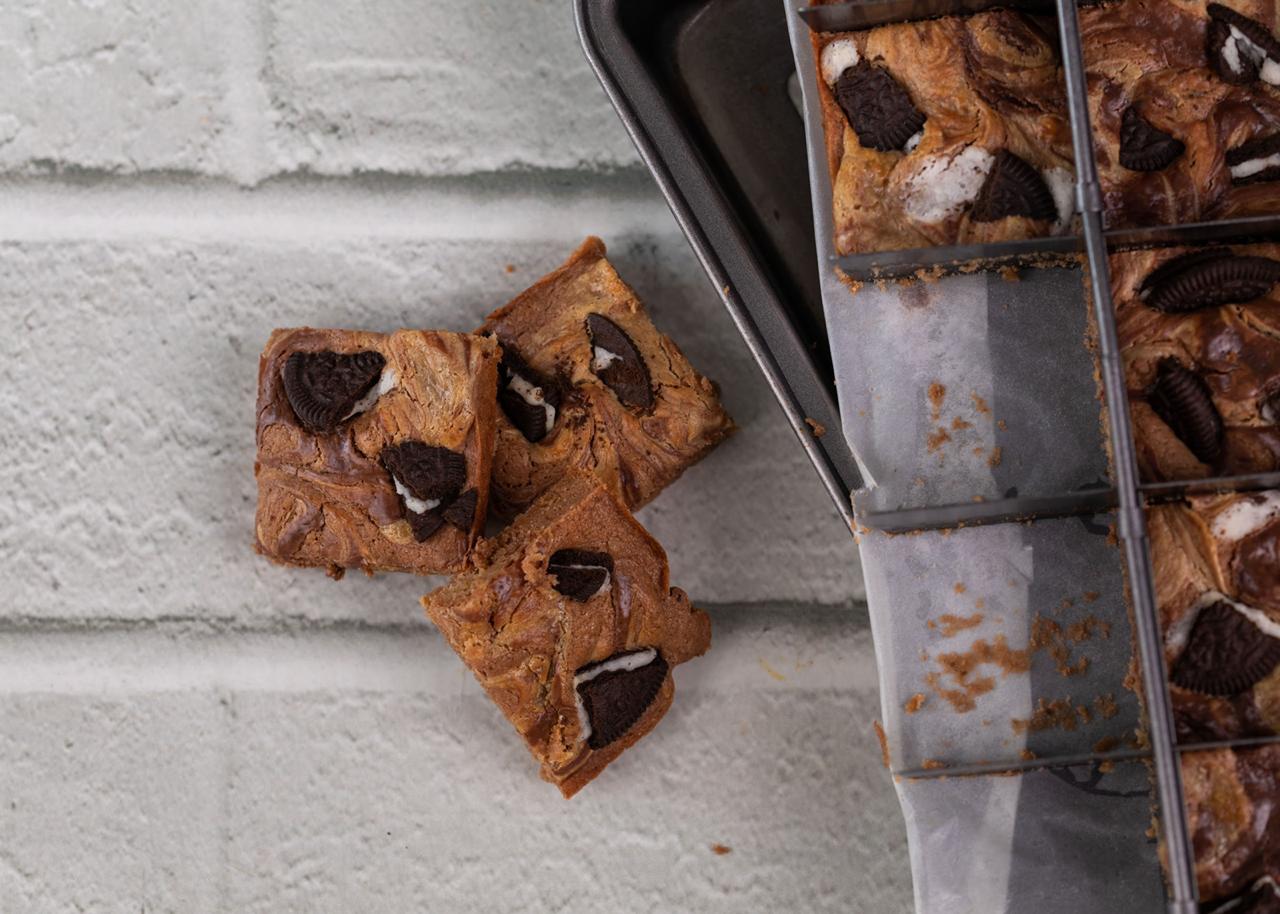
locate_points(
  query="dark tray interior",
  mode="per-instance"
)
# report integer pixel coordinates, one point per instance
(705, 88)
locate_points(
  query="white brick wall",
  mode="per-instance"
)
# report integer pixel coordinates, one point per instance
(184, 727)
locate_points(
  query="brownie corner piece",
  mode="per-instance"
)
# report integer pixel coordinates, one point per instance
(374, 450)
(588, 381)
(570, 624)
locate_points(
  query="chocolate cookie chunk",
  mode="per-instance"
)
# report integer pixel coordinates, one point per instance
(324, 387)
(530, 400)
(428, 479)
(461, 512)
(1253, 162)
(1144, 147)
(1208, 279)
(1226, 654)
(580, 573)
(618, 363)
(879, 110)
(1181, 399)
(1234, 60)
(1013, 188)
(615, 696)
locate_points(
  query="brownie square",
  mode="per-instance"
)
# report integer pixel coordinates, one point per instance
(374, 450)
(1233, 815)
(1199, 330)
(587, 381)
(943, 132)
(569, 623)
(1185, 110)
(1216, 563)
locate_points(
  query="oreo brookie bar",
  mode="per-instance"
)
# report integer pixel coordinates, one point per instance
(570, 624)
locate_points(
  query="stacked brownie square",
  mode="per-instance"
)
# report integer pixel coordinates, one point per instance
(380, 451)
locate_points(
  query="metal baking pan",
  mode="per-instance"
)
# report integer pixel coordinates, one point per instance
(704, 89)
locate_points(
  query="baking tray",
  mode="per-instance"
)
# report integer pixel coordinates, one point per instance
(705, 87)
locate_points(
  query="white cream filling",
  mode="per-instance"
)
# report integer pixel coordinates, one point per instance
(533, 396)
(837, 57)
(1263, 883)
(1246, 517)
(1251, 167)
(1062, 184)
(628, 662)
(1240, 47)
(1176, 637)
(942, 186)
(416, 505)
(912, 143)
(602, 358)
(386, 381)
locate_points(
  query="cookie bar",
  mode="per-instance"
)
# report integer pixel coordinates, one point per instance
(1184, 98)
(949, 131)
(569, 623)
(1216, 562)
(587, 381)
(1200, 335)
(374, 450)
(1234, 820)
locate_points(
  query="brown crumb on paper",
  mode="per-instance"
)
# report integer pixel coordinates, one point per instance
(1000, 424)
(884, 743)
(1010, 274)
(510, 268)
(960, 587)
(959, 425)
(980, 404)
(937, 393)
(1027, 755)
(915, 703)
(997, 455)
(818, 428)
(1056, 714)
(1106, 706)
(952, 625)
(1106, 744)
(932, 764)
(937, 438)
(721, 849)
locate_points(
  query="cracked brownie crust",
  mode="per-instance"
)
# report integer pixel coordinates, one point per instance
(570, 624)
(589, 383)
(338, 411)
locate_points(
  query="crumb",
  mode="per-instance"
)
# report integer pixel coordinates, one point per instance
(932, 764)
(862, 413)
(1091, 596)
(979, 451)
(725, 290)
(959, 425)
(937, 439)
(937, 393)
(764, 664)
(1106, 706)
(997, 454)
(721, 849)
(1106, 766)
(1000, 424)
(1027, 755)
(953, 624)
(980, 404)
(510, 268)
(1010, 274)
(1106, 744)
(818, 428)
(960, 588)
(918, 481)
(915, 703)
(884, 743)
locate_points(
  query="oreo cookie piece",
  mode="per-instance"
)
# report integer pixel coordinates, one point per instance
(1208, 279)
(324, 387)
(1144, 147)
(1013, 188)
(428, 479)
(461, 512)
(1256, 161)
(879, 110)
(580, 573)
(1238, 56)
(616, 692)
(1226, 654)
(1181, 399)
(617, 362)
(530, 400)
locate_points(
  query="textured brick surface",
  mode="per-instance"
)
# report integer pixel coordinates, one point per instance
(358, 770)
